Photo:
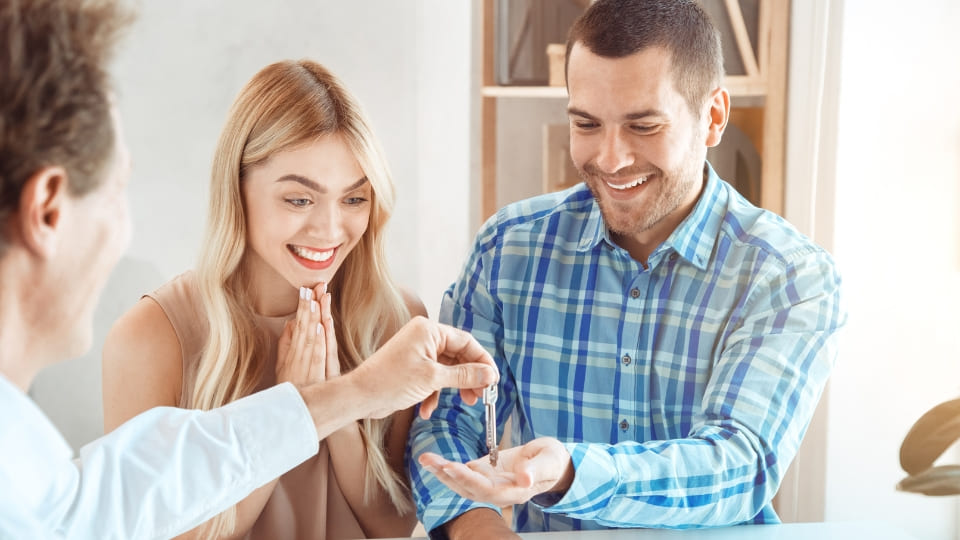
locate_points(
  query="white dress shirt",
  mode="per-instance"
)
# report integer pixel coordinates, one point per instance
(158, 475)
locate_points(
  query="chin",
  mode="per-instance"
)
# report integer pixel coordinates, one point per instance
(311, 280)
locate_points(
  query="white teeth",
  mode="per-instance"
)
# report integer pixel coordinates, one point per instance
(635, 183)
(315, 256)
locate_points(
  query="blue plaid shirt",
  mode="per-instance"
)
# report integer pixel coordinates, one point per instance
(681, 391)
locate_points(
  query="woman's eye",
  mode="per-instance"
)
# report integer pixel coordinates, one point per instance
(584, 125)
(299, 203)
(642, 129)
(354, 201)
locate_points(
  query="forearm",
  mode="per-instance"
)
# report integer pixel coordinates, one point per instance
(168, 470)
(715, 480)
(337, 403)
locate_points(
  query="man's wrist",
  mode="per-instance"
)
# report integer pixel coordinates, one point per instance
(565, 481)
(336, 403)
(559, 489)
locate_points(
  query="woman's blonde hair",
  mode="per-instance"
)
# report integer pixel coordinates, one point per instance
(285, 105)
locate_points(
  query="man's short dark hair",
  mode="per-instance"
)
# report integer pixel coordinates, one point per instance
(618, 28)
(55, 91)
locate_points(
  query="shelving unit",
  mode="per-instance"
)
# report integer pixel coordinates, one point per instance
(758, 97)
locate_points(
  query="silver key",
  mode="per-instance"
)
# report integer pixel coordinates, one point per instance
(490, 414)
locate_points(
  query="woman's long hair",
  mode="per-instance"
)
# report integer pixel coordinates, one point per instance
(285, 105)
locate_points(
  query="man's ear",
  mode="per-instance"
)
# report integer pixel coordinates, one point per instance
(39, 216)
(718, 113)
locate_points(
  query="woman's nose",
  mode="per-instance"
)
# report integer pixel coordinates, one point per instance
(326, 223)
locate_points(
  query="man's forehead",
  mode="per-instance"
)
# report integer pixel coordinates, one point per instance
(633, 85)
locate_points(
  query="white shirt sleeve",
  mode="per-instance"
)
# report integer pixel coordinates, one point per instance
(161, 473)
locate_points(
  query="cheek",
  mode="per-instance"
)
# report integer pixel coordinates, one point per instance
(354, 225)
(357, 225)
(579, 150)
(268, 223)
(114, 225)
(114, 231)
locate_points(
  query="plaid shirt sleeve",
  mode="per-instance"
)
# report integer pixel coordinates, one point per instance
(759, 401)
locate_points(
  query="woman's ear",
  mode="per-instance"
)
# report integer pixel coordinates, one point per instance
(718, 113)
(39, 215)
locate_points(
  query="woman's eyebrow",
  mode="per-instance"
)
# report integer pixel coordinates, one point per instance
(356, 185)
(315, 186)
(303, 181)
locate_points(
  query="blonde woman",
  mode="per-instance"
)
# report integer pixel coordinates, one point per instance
(300, 195)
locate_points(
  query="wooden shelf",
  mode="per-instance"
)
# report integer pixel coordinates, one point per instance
(524, 91)
(744, 91)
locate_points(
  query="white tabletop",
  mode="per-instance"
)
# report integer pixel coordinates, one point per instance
(786, 531)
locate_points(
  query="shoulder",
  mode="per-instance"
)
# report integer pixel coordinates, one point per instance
(177, 294)
(141, 355)
(144, 328)
(768, 234)
(414, 307)
(412, 302)
(563, 213)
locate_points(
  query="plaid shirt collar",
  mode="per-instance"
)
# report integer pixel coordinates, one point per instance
(693, 239)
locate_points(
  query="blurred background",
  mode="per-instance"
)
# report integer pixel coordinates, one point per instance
(871, 170)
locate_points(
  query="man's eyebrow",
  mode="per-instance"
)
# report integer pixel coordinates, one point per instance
(315, 186)
(640, 115)
(643, 114)
(573, 111)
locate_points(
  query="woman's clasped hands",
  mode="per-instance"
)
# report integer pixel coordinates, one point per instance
(307, 349)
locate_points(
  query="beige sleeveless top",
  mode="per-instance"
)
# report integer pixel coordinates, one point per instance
(307, 501)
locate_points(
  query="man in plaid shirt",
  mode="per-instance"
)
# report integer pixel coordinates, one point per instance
(662, 342)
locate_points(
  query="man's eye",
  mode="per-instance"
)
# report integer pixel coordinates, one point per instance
(584, 125)
(642, 129)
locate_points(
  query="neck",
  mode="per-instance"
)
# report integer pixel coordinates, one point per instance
(270, 294)
(641, 244)
(23, 345)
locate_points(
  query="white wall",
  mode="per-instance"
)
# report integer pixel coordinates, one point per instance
(444, 83)
(177, 73)
(897, 239)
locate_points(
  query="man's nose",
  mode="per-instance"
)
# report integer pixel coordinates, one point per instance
(614, 152)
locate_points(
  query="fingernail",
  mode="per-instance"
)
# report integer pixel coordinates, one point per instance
(319, 328)
(313, 306)
(303, 293)
(324, 289)
(309, 293)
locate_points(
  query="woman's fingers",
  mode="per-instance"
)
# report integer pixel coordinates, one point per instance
(303, 338)
(318, 353)
(331, 359)
(283, 350)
